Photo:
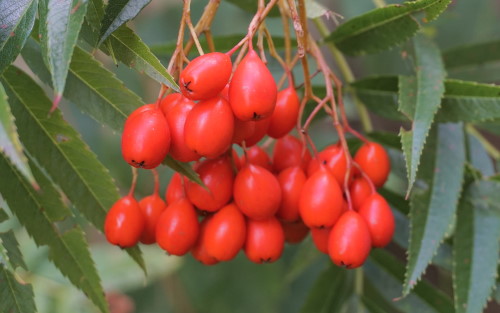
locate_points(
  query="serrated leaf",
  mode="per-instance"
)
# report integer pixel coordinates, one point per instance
(68, 251)
(330, 291)
(384, 28)
(420, 99)
(472, 55)
(382, 265)
(60, 23)
(117, 13)
(15, 297)
(184, 169)
(13, 255)
(374, 300)
(59, 149)
(16, 21)
(434, 199)
(479, 157)
(476, 246)
(94, 89)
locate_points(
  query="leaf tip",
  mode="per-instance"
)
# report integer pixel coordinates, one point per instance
(55, 103)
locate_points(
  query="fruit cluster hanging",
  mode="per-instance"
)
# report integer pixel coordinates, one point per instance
(256, 201)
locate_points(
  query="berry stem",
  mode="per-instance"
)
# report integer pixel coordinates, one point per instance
(286, 31)
(204, 22)
(134, 181)
(156, 178)
(187, 19)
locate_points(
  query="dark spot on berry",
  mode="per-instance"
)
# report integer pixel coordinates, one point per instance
(324, 162)
(186, 86)
(138, 164)
(256, 116)
(269, 259)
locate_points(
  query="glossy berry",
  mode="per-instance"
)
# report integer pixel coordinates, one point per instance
(175, 189)
(349, 243)
(225, 233)
(124, 222)
(176, 107)
(252, 91)
(177, 229)
(320, 238)
(295, 232)
(209, 127)
(359, 190)
(374, 161)
(265, 240)
(286, 112)
(379, 218)
(333, 157)
(217, 175)
(145, 138)
(199, 251)
(257, 156)
(242, 130)
(257, 192)
(151, 207)
(261, 127)
(205, 76)
(289, 151)
(291, 180)
(320, 202)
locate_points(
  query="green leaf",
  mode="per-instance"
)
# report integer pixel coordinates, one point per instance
(37, 211)
(384, 28)
(476, 246)
(17, 19)
(3, 215)
(472, 55)
(374, 300)
(94, 89)
(59, 149)
(15, 297)
(479, 157)
(434, 199)
(60, 23)
(11, 247)
(117, 13)
(330, 291)
(420, 99)
(184, 169)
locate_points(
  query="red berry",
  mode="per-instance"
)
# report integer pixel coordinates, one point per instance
(379, 218)
(252, 91)
(176, 107)
(242, 130)
(257, 192)
(360, 190)
(145, 138)
(124, 222)
(320, 238)
(199, 250)
(260, 131)
(209, 127)
(374, 161)
(295, 232)
(217, 175)
(151, 206)
(332, 157)
(265, 240)
(225, 233)
(177, 228)
(289, 151)
(320, 202)
(205, 76)
(291, 181)
(286, 112)
(175, 189)
(257, 156)
(349, 243)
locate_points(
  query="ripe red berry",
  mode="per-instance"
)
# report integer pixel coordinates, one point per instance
(349, 243)
(176, 107)
(217, 175)
(320, 238)
(291, 180)
(360, 190)
(332, 157)
(175, 189)
(151, 206)
(289, 151)
(295, 232)
(209, 127)
(379, 218)
(242, 130)
(252, 91)
(205, 76)
(145, 138)
(177, 229)
(225, 233)
(124, 222)
(374, 161)
(320, 202)
(257, 156)
(199, 250)
(257, 192)
(286, 112)
(265, 240)
(260, 131)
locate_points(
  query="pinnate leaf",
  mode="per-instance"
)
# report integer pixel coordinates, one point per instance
(16, 19)
(10, 247)
(15, 297)
(472, 55)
